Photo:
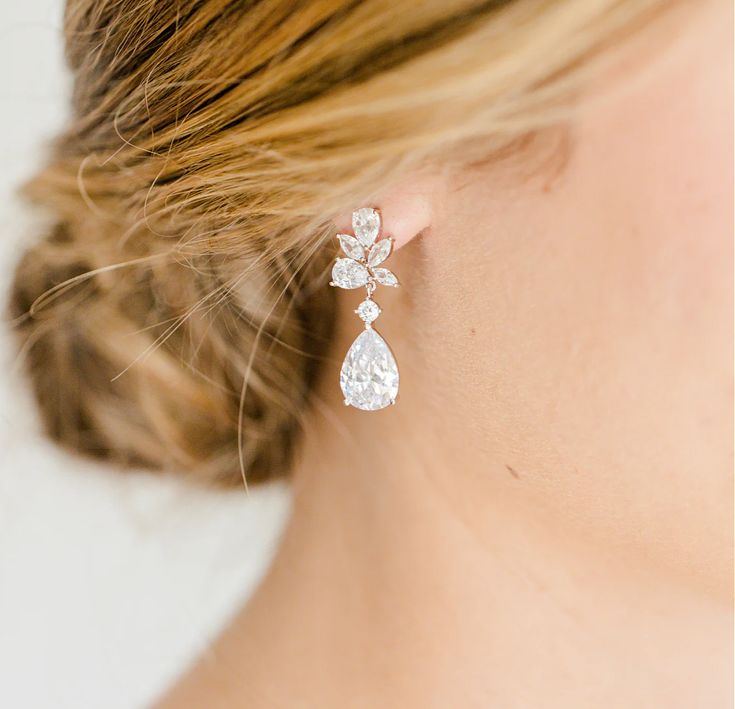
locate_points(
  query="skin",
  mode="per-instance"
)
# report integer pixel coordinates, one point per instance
(545, 518)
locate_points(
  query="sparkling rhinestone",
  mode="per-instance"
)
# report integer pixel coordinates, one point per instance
(369, 376)
(368, 310)
(347, 273)
(380, 252)
(385, 277)
(351, 246)
(366, 225)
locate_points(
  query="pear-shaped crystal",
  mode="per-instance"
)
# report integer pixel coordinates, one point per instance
(366, 225)
(347, 273)
(369, 376)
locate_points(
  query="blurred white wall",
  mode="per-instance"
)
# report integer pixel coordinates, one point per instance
(109, 584)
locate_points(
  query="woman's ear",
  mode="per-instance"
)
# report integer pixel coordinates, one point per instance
(405, 211)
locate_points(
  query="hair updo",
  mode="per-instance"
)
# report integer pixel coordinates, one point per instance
(175, 314)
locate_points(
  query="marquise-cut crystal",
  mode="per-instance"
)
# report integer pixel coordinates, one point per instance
(369, 376)
(347, 273)
(379, 252)
(366, 225)
(351, 246)
(385, 277)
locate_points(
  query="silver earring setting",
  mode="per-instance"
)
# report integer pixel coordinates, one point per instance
(369, 376)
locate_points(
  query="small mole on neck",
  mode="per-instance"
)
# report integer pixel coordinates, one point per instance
(512, 472)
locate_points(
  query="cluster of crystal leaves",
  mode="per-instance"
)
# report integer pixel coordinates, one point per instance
(369, 376)
(364, 253)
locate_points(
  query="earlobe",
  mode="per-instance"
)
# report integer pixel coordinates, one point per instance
(405, 213)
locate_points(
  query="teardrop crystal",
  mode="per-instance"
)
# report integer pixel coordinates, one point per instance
(366, 225)
(369, 376)
(347, 273)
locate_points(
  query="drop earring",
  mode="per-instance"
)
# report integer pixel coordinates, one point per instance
(369, 375)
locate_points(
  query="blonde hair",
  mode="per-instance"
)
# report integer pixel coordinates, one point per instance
(174, 317)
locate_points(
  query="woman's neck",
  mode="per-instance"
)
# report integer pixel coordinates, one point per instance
(407, 579)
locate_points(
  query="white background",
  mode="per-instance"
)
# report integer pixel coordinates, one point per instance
(110, 583)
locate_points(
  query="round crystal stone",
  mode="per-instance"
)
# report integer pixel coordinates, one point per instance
(368, 311)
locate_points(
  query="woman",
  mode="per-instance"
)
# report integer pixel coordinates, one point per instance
(543, 517)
